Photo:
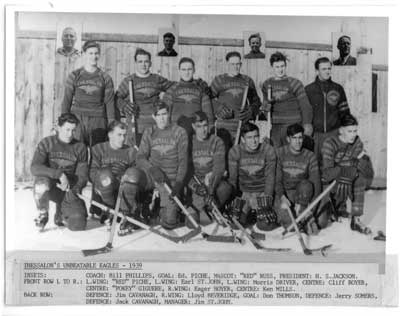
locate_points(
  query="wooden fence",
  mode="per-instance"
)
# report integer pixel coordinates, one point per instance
(40, 76)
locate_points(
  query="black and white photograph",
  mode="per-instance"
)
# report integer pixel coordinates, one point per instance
(119, 152)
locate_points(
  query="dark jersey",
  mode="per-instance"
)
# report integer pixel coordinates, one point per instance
(54, 157)
(293, 167)
(253, 171)
(145, 92)
(166, 149)
(89, 93)
(103, 156)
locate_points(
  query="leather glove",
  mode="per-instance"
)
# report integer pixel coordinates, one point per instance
(308, 129)
(131, 109)
(224, 113)
(344, 187)
(246, 114)
(157, 174)
(265, 209)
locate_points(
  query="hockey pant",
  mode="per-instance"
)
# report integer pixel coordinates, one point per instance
(70, 206)
(91, 130)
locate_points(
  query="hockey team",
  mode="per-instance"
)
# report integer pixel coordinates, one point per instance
(201, 145)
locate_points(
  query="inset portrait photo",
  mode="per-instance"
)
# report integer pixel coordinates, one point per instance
(254, 44)
(167, 41)
(344, 48)
(69, 39)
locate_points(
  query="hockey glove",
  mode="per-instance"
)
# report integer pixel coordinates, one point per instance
(224, 113)
(345, 181)
(130, 109)
(308, 129)
(364, 166)
(204, 86)
(64, 183)
(157, 175)
(199, 189)
(246, 114)
(177, 189)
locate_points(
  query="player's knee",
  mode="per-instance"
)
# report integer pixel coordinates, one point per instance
(304, 192)
(76, 222)
(135, 176)
(224, 192)
(104, 178)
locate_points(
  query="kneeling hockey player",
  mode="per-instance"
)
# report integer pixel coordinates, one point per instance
(252, 172)
(297, 177)
(163, 156)
(208, 154)
(344, 160)
(60, 169)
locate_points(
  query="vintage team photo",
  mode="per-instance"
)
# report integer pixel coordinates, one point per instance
(177, 134)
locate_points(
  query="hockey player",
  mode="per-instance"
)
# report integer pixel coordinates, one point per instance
(329, 102)
(60, 169)
(111, 161)
(208, 154)
(146, 90)
(163, 156)
(287, 101)
(252, 172)
(228, 90)
(186, 97)
(297, 177)
(89, 94)
(344, 160)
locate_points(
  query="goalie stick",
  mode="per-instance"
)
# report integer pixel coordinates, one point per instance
(132, 120)
(237, 137)
(175, 239)
(194, 223)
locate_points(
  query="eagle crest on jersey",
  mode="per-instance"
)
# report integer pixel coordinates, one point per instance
(163, 149)
(235, 92)
(146, 92)
(187, 97)
(89, 89)
(332, 97)
(252, 170)
(202, 161)
(280, 94)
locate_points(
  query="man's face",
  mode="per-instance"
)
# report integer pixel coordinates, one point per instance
(348, 133)
(66, 132)
(295, 142)
(161, 118)
(117, 137)
(68, 38)
(279, 69)
(344, 46)
(186, 71)
(234, 65)
(324, 71)
(201, 130)
(92, 56)
(255, 44)
(251, 140)
(143, 64)
(169, 42)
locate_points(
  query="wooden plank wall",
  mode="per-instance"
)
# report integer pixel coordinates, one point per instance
(40, 76)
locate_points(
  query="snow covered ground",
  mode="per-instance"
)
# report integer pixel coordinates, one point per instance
(21, 234)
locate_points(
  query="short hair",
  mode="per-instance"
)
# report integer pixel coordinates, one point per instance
(67, 118)
(277, 56)
(294, 129)
(343, 36)
(141, 51)
(254, 35)
(114, 124)
(199, 116)
(68, 28)
(232, 54)
(186, 60)
(169, 34)
(348, 120)
(248, 127)
(159, 105)
(90, 44)
(320, 61)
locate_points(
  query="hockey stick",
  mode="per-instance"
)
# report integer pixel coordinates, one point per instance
(237, 137)
(194, 223)
(108, 246)
(175, 239)
(132, 120)
(310, 207)
(255, 243)
(219, 218)
(306, 250)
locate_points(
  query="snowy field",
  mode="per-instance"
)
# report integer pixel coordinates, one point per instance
(21, 234)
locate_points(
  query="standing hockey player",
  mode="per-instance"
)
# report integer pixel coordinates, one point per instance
(89, 94)
(60, 169)
(228, 90)
(344, 160)
(111, 161)
(287, 101)
(297, 177)
(163, 156)
(252, 172)
(329, 103)
(208, 155)
(146, 90)
(186, 97)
